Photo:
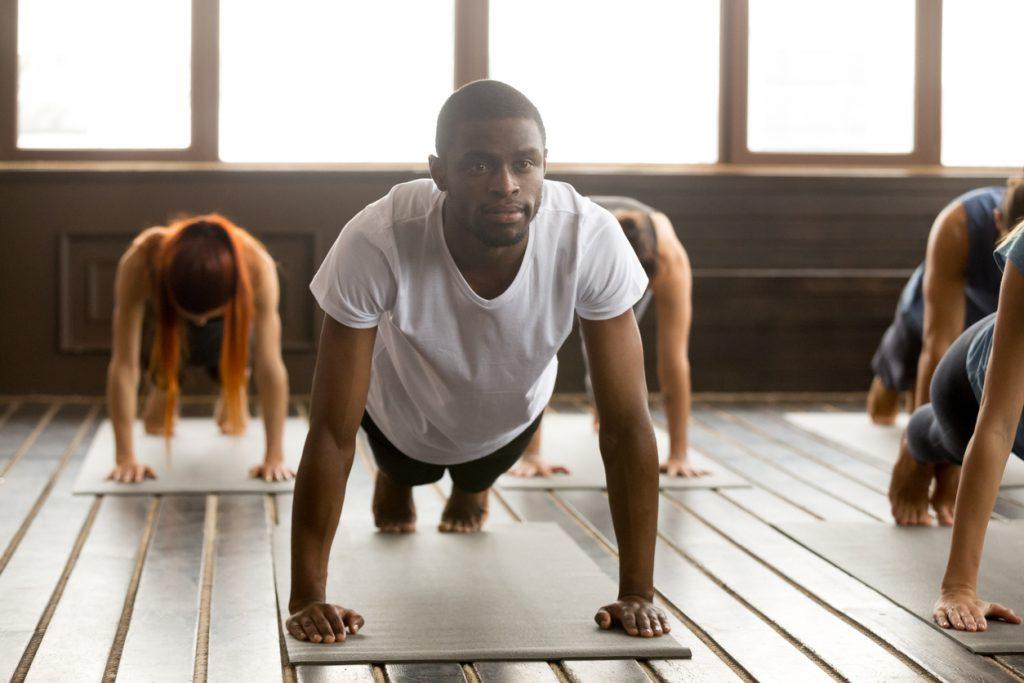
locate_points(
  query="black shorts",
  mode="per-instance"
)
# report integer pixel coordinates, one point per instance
(473, 476)
(201, 347)
(895, 361)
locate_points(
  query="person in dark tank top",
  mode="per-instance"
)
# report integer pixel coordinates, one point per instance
(957, 285)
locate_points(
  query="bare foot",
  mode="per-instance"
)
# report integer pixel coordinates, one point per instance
(220, 414)
(465, 512)
(908, 490)
(393, 509)
(153, 410)
(883, 404)
(947, 479)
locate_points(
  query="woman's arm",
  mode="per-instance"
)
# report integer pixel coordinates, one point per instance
(270, 373)
(1001, 404)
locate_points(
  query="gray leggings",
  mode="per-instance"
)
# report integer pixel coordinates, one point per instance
(940, 431)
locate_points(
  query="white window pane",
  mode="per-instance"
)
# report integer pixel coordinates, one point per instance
(104, 74)
(831, 77)
(981, 98)
(329, 81)
(614, 82)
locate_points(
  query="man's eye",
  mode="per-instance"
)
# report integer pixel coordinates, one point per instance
(479, 167)
(524, 165)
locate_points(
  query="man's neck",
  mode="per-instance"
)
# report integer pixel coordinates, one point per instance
(489, 271)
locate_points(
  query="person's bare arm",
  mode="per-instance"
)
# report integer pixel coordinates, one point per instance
(131, 287)
(270, 373)
(672, 287)
(340, 383)
(944, 305)
(959, 606)
(630, 460)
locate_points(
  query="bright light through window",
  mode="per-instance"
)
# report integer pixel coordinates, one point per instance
(982, 100)
(329, 81)
(614, 82)
(831, 77)
(104, 74)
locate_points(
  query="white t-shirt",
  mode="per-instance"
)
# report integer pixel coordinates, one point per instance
(455, 376)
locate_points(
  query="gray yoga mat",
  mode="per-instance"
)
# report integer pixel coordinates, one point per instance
(907, 564)
(855, 431)
(200, 459)
(513, 591)
(570, 440)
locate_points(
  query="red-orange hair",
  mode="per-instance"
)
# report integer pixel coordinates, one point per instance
(200, 268)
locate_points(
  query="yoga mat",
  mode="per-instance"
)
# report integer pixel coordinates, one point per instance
(856, 431)
(513, 591)
(200, 460)
(907, 564)
(570, 440)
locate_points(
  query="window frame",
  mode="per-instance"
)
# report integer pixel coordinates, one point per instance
(471, 56)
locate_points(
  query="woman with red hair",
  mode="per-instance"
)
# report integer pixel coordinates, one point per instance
(210, 286)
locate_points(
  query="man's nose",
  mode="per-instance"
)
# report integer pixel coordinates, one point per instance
(504, 182)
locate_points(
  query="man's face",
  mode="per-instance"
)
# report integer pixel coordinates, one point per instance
(493, 173)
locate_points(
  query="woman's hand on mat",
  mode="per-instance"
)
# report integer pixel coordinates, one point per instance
(677, 466)
(322, 622)
(271, 470)
(636, 615)
(964, 611)
(131, 472)
(536, 467)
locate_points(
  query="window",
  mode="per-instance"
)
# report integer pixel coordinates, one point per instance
(981, 97)
(327, 81)
(830, 77)
(104, 74)
(615, 83)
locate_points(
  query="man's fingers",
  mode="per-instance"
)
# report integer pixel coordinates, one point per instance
(337, 625)
(294, 629)
(560, 469)
(353, 620)
(954, 619)
(940, 618)
(150, 473)
(665, 625)
(643, 623)
(310, 630)
(997, 611)
(629, 623)
(603, 618)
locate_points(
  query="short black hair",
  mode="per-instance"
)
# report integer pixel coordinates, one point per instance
(483, 100)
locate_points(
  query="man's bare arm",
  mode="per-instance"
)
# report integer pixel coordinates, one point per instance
(340, 383)
(944, 306)
(270, 372)
(630, 460)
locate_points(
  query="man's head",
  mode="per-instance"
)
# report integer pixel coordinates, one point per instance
(1011, 211)
(490, 160)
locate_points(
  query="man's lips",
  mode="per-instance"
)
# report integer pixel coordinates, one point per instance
(506, 214)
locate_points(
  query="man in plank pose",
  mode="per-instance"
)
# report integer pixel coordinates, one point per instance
(446, 302)
(957, 285)
(667, 265)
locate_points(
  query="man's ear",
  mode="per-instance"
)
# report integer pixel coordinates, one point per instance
(437, 173)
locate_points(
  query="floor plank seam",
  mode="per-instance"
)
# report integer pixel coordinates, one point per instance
(810, 595)
(787, 472)
(44, 420)
(202, 653)
(11, 408)
(44, 621)
(114, 658)
(998, 661)
(694, 628)
(835, 445)
(288, 674)
(51, 482)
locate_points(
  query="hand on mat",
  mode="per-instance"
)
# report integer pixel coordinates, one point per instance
(963, 611)
(636, 615)
(536, 467)
(679, 467)
(131, 473)
(271, 471)
(322, 622)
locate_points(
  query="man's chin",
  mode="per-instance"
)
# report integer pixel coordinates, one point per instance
(503, 236)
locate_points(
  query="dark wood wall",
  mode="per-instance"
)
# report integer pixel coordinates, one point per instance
(796, 277)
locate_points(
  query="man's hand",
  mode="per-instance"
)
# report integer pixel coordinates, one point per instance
(322, 622)
(964, 611)
(680, 467)
(272, 469)
(536, 467)
(637, 616)
(131, 472)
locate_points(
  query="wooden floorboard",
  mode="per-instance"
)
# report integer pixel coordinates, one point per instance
(342, 673)
(515, 672)
(21, 429)
(622, 670)
(433, 672)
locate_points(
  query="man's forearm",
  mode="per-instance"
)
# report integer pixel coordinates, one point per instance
(122, 387)
(316, 509)
(631, 464)
(272, 384)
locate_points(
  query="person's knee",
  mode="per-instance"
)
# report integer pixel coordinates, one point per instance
(924, 439)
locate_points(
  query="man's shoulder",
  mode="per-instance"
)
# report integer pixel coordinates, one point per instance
(561, 201)
(403, 204)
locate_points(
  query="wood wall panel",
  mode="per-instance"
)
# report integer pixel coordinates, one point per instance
(796, 277)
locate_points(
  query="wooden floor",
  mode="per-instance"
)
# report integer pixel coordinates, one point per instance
(179, 587)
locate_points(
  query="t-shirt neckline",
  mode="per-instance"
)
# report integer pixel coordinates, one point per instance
(437, 219)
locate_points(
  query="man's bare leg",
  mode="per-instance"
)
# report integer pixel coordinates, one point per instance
(883, 404)
(465, 512)
(908, 490)
(947, 479)
(394, 511)
(153, 408)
